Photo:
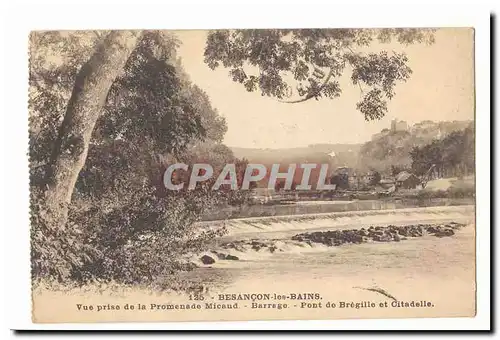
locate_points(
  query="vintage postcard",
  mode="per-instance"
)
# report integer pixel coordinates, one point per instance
(252, 174)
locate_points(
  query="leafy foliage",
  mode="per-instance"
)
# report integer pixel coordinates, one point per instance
(275, 61)
(341, 180)
(122, 226)
(375, 177)
(389, 151)
(451, 155)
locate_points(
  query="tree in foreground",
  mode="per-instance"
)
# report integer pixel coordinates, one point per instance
(120, 225)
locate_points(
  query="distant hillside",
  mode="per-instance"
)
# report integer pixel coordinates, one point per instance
(392, 147)
(311, 153)
(388, 147)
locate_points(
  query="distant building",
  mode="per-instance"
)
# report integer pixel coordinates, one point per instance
(400, 125)
(424, 125)
(360, 180)
(407, 180)
(396, 125)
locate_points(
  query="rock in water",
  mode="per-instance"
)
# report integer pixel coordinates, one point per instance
(205, 259)
(220, 256)
(232, 257)
(390, 233)
(444, 233)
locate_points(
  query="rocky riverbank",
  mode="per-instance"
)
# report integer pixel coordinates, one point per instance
(332, 238)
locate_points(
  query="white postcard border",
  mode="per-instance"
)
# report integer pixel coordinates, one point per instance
(24, 16)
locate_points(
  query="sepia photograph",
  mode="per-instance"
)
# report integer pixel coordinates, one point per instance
(252, 174)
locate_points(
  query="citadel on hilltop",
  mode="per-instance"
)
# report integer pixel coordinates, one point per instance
(396, 126)
(426, 130)
(399, 125)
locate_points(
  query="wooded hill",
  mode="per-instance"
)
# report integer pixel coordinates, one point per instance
(392, 148)
(386, 149)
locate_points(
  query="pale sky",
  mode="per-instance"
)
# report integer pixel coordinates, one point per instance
(440, 88)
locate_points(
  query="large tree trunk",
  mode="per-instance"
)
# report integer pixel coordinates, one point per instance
(84, 107)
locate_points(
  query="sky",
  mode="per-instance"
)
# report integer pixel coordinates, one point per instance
(440, 88)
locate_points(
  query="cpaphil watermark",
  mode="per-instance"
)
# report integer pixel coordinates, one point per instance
(228, 177)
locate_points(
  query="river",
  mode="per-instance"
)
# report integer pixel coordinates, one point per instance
(438, 272)
(441, 270)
